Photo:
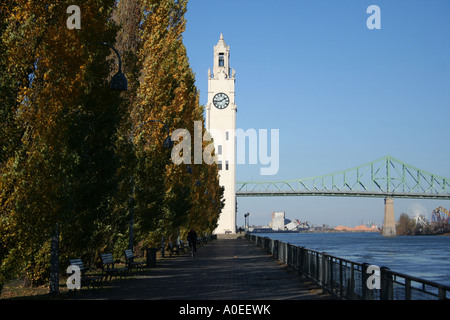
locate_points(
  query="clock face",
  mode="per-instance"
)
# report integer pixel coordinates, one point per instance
(221, 100)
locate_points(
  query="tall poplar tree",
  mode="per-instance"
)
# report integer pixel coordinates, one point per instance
(167, 92)
(62, 174)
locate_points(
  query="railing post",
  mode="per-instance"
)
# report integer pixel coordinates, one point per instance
(387, 285)
(317, 267)
(275, 249)
(307, 262)
(407, 289)
(324, 276)
(341, 279)
(280, 250)
(331, 274)
(367, 294)
(301, 262)
(442, 293)
(294, 257)
(351, 285)
(289, 255)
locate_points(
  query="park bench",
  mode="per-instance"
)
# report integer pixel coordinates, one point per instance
(183, 246)
(172, 248)
(85, 279)
(178, 247)
(109, 269)
(129, 260)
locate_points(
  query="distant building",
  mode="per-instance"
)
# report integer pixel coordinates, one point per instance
(278, 221)
(293, 225)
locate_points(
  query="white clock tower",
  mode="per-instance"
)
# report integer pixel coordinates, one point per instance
(221, 124)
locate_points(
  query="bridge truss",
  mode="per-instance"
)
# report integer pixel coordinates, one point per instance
(385, 178)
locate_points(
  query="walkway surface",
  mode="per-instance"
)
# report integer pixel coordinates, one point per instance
(224, 269)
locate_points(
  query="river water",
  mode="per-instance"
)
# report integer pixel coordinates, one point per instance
(425, 257)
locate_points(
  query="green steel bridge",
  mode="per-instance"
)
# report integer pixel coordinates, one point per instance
(384, 178)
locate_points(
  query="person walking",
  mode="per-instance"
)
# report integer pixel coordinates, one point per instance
(192, 239)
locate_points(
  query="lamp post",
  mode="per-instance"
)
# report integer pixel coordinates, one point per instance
(246, 220)
(54, 262)
(119, 83)
(167, 143)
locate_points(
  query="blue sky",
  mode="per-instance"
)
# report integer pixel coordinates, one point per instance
(340, 94)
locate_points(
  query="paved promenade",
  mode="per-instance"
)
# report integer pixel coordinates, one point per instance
(224, 269)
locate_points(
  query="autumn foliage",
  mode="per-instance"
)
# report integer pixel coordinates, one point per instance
(73, 153)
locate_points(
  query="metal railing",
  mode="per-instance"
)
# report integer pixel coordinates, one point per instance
(350, 280)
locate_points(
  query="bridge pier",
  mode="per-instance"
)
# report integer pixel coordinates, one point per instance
(389, 218)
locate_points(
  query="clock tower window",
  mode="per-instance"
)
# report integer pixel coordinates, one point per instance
(221, 60)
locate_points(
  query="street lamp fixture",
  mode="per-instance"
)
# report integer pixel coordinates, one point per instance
(246, 216)
(168, 143)
(119, 81)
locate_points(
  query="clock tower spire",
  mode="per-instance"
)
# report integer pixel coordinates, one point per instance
(221, 124)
